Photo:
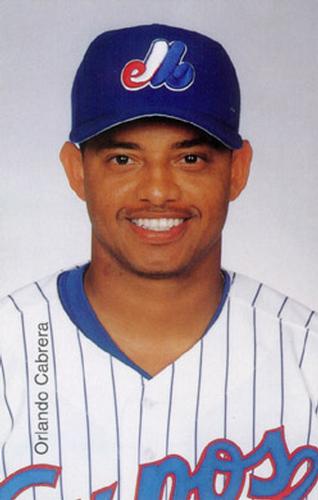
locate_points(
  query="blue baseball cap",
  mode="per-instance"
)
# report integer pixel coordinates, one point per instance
(156, 70)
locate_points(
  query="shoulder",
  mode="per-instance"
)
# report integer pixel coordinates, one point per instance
(270, 302)
(29, 295)
(32, 296)
(281, 327)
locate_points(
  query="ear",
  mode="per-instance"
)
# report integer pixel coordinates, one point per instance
(241, 161)
(72, 161)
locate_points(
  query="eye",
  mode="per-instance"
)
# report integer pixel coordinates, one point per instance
(191, 159)
(121, 160)
(194, 160)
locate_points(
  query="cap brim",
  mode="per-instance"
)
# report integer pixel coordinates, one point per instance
(231, 139)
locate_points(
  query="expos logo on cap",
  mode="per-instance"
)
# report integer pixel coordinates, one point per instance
(163, 65)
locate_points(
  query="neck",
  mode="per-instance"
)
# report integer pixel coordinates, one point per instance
(154, 321)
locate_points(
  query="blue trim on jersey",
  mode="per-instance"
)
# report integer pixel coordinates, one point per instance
(73, 297)
(71, 291)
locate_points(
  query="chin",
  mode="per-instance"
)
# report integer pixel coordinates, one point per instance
(156, 268)
(158, 271)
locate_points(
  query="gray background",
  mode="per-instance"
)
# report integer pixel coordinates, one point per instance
(272, 230)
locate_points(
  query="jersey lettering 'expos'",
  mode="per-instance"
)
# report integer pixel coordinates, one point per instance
(234, 417)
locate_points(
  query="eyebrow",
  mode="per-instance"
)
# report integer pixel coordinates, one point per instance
(188, 143)
(111, 144)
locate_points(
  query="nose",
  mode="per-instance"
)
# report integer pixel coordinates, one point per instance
(158, 185)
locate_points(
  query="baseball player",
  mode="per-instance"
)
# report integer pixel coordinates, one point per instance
(151, 372)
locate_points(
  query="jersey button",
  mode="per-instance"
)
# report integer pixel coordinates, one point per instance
(149, 403)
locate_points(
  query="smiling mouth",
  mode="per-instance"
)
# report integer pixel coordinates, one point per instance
(158, 224)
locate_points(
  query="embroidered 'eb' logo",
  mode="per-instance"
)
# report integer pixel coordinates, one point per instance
(163, 65)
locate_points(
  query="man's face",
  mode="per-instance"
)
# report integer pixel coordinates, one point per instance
(157, 194)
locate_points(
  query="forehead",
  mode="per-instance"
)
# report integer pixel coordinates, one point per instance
(160, 127)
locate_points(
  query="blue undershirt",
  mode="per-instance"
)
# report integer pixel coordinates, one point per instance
(73, 298)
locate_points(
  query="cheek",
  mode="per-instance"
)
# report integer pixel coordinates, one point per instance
(213, 205)
(212, 193)
(98, 200)
(101, 184)
(105, 198)
(215, 212)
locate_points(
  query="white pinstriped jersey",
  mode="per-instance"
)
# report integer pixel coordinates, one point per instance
(240, 405)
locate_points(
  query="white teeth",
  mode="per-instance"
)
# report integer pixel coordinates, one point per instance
(157, 224)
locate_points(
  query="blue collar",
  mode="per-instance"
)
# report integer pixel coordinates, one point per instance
(73, 298)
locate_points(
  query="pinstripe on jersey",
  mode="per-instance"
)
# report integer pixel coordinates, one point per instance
(67, 402)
